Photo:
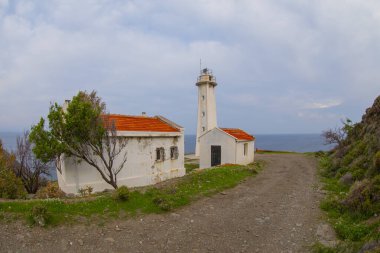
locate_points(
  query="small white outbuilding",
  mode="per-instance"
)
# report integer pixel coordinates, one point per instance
(225, 146)
(154, 151)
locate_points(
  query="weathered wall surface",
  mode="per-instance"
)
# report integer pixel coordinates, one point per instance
(140, 169)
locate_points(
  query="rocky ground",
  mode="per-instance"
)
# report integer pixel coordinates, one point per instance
(277, 211)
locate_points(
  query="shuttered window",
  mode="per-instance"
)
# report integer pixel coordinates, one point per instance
(174, 152)
(160, 154)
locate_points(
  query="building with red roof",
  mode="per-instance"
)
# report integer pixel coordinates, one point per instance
(154, 152)
(226, 146)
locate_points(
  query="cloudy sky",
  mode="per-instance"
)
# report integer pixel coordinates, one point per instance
(282, 66)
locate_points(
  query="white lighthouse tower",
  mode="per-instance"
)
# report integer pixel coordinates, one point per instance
(206, 104)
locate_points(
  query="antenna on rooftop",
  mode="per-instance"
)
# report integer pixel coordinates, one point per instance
(200, 65)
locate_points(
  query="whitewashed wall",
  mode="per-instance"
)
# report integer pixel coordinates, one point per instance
(232, 151)
(240, 157)
(140, 169)
(216, 137)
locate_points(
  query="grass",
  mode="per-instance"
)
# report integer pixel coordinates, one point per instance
(259, 151)
(191, 166)
(187, 189)
(352, 228)
(345, 247)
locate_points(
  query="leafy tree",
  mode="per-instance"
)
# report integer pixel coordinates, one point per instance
(84, 132)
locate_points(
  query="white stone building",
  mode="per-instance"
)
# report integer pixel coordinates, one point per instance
(226, 146)
(214, 145)
(155, 152)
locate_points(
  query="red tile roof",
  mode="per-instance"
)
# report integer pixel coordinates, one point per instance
(239, 134)
(140, 123)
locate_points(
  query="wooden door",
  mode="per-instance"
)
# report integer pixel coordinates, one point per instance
(216, 155)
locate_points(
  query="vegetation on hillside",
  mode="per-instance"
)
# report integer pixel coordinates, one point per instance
(10, 186)
(351, 173)
(20, 171)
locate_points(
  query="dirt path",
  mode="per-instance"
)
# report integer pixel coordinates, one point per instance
(275, 212)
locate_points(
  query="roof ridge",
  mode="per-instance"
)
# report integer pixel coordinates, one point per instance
(168, 121)
(238, 133)
(132, 116)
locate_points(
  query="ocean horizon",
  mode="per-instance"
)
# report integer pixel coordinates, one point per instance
(278, 142)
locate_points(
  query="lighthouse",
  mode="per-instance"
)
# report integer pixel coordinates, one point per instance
(206, 104)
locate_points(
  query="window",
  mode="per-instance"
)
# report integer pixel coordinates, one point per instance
(203, 129)
(203, 114)
(174, 152)
(160, 154)
(245, 149)
(203, 97)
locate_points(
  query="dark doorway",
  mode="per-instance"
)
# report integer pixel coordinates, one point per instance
(216, 153)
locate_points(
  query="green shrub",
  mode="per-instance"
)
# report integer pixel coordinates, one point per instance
(376, 189)
(347, 230)
(358, 173)
(319, 154)
(357, 199)
(122, 193)
(355, 152)
(51, 190)
(376, 161)
(11, 187)
(341, 247)
(320, 248)
(191, 166)
(39, 215)
(364, 196)
(326, 166)
(86, 191)
(163, 202)
(341, 172)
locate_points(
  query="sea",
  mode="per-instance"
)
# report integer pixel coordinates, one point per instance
(278, 142)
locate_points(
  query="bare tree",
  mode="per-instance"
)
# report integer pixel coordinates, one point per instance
(339, 134)
(28, 167)
(334, 136)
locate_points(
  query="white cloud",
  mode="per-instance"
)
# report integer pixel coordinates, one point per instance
(323, 105)
(269, 57)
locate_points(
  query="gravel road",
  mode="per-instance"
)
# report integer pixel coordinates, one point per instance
(277, 211)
